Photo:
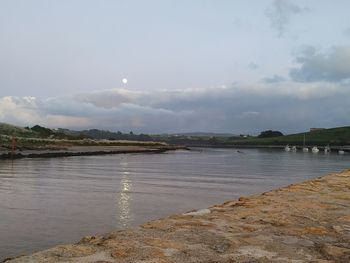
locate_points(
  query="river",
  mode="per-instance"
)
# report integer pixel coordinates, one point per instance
(45, 202)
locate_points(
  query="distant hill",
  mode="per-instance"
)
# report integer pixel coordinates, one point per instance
(38, 131)
(204, 134)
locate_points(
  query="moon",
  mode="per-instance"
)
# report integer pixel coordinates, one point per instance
(124, 80)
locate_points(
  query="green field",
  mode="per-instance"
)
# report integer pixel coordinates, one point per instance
(334, 136)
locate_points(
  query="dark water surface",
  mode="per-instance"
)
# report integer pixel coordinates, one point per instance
(45, 202)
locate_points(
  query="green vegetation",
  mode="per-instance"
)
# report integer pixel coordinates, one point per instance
(333, 136)
(269, 134)
(45, 138)
(35, 143)
(199, 140)
(37, 136)
(107, 135)
(7, 129)
(35, 132)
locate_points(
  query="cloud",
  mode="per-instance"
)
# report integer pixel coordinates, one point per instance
(274, 79)
(253, 66)
(330, 66)
(287, 106)
(280, 13)
(30, 111)
(19, 109)
(347, 32)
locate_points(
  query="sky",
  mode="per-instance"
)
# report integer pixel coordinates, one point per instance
(239, 66)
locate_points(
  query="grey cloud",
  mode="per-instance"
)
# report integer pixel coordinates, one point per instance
(274, 79)
(347, 32)
(285, 106)
(109, 98)
(253, 66)
(331, 66)
(280, 12)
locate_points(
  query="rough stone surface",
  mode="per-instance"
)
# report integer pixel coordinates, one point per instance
(306, 222)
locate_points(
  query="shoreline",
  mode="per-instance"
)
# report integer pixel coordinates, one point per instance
(95, 150)
(346, 148)
(88, 151)
(303, 222)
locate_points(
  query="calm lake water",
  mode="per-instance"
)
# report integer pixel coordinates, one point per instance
(45, 202)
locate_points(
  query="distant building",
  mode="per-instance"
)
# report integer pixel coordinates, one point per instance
(316, 129)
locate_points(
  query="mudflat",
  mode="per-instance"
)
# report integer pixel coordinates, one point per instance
(304, 222)
(87, 150)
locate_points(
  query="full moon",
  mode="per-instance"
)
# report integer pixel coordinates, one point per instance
(124, 80)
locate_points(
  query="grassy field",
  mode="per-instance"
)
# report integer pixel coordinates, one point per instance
(333, 136)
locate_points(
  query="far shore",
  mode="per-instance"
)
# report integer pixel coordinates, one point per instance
(334, 148)
(90, 150)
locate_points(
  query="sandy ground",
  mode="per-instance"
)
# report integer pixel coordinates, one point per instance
(305, 222)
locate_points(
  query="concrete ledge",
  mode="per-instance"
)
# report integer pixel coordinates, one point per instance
(306, 222)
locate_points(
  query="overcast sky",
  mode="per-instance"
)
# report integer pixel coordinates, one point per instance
(219, 66)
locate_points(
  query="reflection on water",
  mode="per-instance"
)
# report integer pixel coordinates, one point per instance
(45, 202)
(124, 197)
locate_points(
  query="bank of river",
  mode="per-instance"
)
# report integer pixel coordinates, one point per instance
(304, 222)
(87, 151)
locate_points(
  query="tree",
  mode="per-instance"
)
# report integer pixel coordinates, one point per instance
(269, 134)
(43, 132)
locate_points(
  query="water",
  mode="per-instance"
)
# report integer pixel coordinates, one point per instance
(45, 202)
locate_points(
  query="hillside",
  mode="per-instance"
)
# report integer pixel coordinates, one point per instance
(35, 136)
(12, 130)
(107, 135)
(333, 136)
(42, 137)
(35, 132)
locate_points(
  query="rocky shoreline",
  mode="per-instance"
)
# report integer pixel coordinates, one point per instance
(88, 151)
(305, 222)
